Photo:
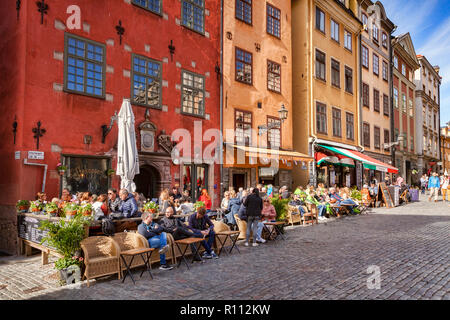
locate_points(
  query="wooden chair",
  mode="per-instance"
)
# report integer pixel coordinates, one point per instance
(404, 197)
(101, 257)
(293, 215)
(312, 215)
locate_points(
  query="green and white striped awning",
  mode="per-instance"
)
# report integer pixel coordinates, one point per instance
(368, 162)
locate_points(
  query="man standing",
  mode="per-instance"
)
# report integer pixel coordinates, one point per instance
(423, 183)
(434, 185)
(156, 237)
(254, 205)
(202, 227)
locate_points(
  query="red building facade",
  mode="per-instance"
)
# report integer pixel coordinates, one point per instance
(160, 54)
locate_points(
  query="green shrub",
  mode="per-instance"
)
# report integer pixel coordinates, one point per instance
(281, 207)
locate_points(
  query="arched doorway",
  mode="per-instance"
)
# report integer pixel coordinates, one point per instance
(148, 181)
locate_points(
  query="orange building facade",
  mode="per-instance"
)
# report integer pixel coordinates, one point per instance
(257, 79)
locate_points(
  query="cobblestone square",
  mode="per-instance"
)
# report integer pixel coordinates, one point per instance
(409, 244)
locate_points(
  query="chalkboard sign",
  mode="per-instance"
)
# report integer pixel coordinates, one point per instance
(386, 196)
(29, 229)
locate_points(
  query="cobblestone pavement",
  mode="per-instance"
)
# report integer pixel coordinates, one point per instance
(410, 244)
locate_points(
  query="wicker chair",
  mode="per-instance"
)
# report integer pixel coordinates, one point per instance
(242, 226)
(218, 227)
(101, 257)
(129, 241)
(293, 215)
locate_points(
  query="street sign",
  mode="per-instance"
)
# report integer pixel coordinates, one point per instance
(17, 155)
(36, 155)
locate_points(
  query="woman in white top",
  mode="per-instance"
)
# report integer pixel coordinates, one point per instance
(445, 188)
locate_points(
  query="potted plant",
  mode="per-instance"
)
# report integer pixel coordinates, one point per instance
(150, 206)
(36, 206)
(61, 168)
(198, 204)
(52, 209)
(65, 237)
(23, 205)
(85, 209)
(71, 209)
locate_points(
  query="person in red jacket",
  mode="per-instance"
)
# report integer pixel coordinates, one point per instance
(206, 200)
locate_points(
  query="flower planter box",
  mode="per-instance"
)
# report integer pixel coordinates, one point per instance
(71, 274)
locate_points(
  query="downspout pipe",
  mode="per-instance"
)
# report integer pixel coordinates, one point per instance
(221, 101)
(25, 161)
(391, 92)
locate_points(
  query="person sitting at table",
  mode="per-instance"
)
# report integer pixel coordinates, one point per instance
(298, 203)
(42, 197)
(66, 194)
(186, 206)
(174, 226)
(155, 236)
(206, 200)
(86, 198)
(165, 201)
(203, 227)
(233, 208)
(334, 195)
(113, 200)
(322, 207)
(225, 201)
(128, 207)
(176, 193)
(373, 190)
(100, 208)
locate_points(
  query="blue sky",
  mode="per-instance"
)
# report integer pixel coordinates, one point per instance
(428, 22)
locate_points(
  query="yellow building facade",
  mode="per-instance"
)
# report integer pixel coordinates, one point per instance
(257, 82)
(326, 77)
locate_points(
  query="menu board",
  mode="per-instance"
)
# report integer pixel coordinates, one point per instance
(29, 229)
(386, 195)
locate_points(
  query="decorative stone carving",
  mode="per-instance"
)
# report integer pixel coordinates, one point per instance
(148, 132)
(165, 141)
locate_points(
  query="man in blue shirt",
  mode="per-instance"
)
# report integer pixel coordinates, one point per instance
(128, 207)
(434, 185)
(156, 237)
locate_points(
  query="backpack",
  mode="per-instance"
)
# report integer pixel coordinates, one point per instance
(108, 227)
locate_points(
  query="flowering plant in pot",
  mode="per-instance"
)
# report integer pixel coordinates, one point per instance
(52, 209)
(23, 205)
(71, 209)
(85, 209)
(36, 206)
(198, 204)
(150, 207)
(61, 168)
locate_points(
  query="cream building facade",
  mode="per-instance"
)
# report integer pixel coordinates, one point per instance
(428, 82)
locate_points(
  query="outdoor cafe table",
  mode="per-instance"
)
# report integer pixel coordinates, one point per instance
(277, 225)
(228, 234)
(133, 253)
(186, 242)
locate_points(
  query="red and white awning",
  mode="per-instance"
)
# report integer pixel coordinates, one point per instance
(368, 162)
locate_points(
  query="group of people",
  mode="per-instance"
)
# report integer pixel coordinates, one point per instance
(434, 183)
(199, 226)
(254, 205)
